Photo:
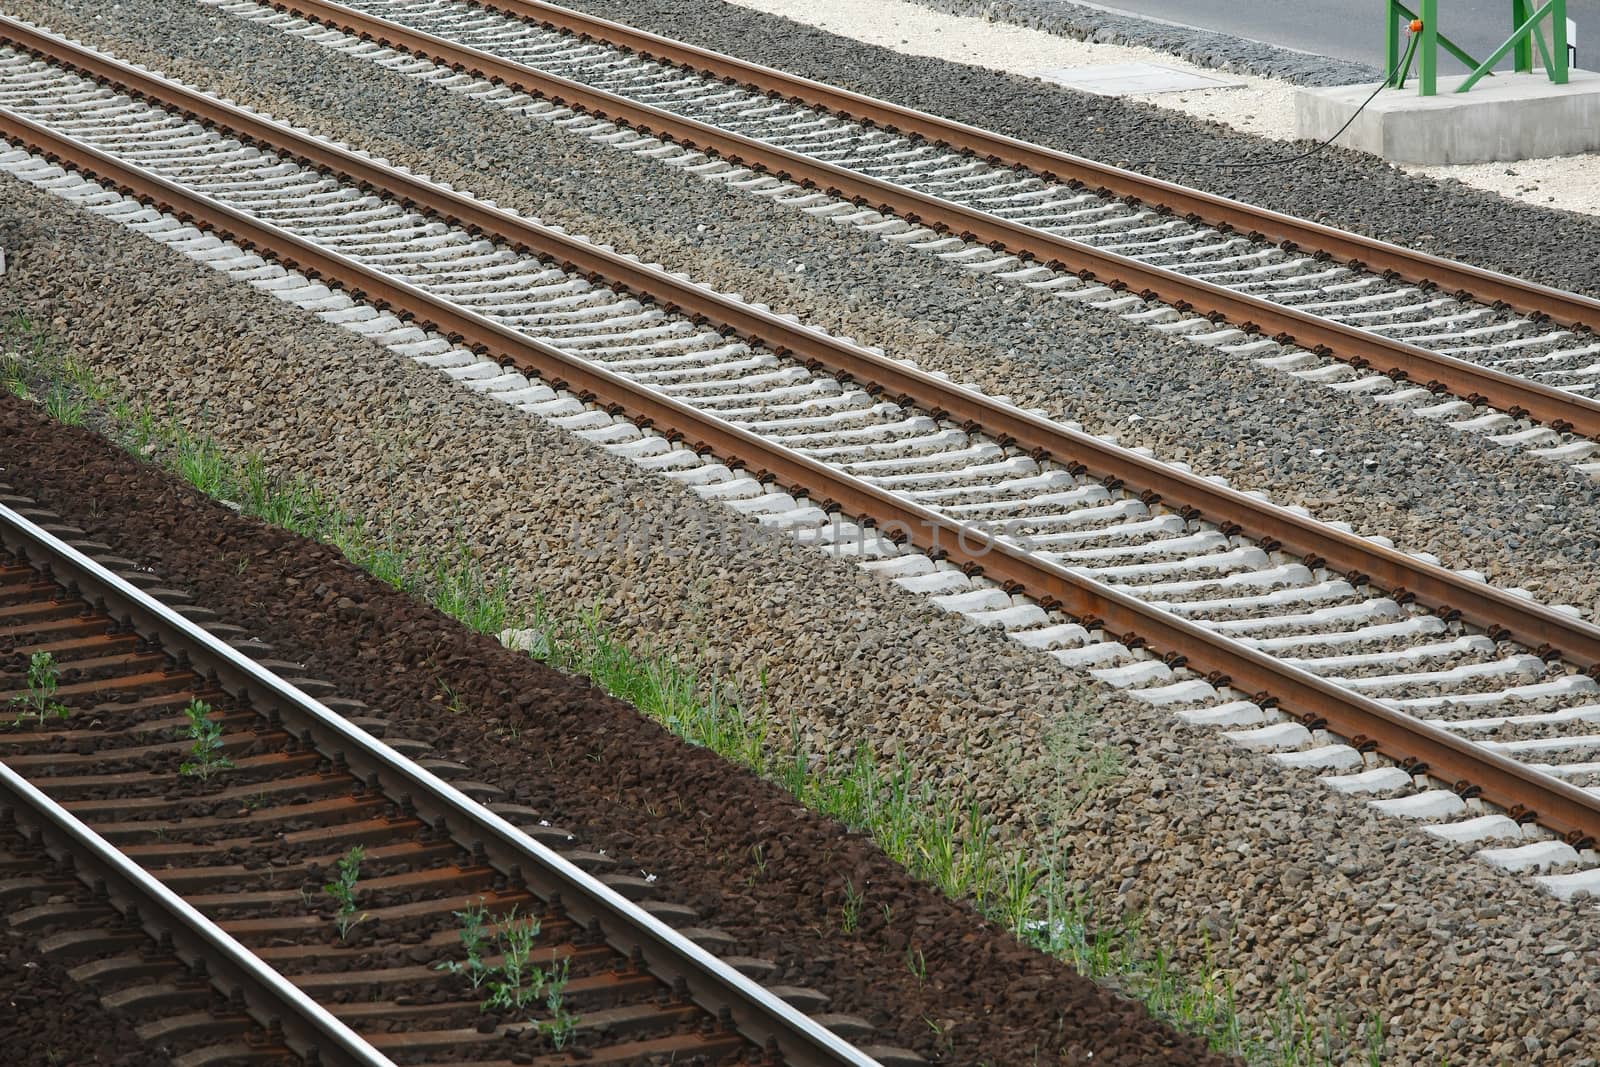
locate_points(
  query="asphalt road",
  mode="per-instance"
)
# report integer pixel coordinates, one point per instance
(1353, 29)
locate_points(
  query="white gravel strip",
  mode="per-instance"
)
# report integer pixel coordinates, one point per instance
(1260, 105)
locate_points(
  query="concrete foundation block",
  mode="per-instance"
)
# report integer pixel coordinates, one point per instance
(1504, 117)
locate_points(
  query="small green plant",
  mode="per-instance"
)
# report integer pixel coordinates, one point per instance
(451, 699)
(558, 1024)
(38, 699)
(1374, 1036)
(343, 890)
(941, 1036)
(1019, 893)
(65, 405)
(205, 743)
(850, 910)
(514, 983)
(917, 964)
(910, 819)
(473, 941)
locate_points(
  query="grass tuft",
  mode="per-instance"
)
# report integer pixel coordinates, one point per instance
(939, 834)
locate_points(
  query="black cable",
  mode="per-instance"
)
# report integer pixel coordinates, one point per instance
(1405, 61)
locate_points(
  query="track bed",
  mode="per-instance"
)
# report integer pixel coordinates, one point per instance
(395, 656)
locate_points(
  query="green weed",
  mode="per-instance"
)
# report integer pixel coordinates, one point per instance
(515, 983)
(38, 700)
(474, 942)
(347, 875)
(937, 834)
(205, 743)
(850, 910)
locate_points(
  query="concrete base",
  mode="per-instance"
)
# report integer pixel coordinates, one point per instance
(1504, 117)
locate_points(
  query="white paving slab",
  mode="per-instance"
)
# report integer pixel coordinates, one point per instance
(1125, 79)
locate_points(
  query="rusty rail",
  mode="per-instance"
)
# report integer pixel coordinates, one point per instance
(1494, 610)
(1417, 745)
(1367, 253)
(1518, 396)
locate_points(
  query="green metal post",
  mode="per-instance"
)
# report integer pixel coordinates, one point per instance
(1428, 61)
(1558, 43)
(1522, 55)
(1556, 9)
(1392, 41)
(1526, 15)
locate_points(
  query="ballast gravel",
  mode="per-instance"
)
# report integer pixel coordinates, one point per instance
(998, 37)
(1343, 188)
(1347, 189)
(1238, 867)
(1522, 521)
(762, 877)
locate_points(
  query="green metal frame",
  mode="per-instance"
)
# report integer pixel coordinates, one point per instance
(1524, 38)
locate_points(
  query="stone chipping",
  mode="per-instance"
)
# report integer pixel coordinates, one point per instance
(1164, 837)
(1237, 865)
(1252, 103)
(1522, 521)
(1349, 189)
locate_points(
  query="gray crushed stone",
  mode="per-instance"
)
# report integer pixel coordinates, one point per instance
(1239, 868)
(1522, 521)
(1338, 187)
(1205, 48)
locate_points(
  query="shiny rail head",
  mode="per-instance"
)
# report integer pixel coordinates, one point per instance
(272, 998)
(804, 1042)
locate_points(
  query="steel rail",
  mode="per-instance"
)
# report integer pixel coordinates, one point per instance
(271, 999)
(1419, 746)
(757, 1013)
(1369, 253)
(1478, 603)
(1360, 348)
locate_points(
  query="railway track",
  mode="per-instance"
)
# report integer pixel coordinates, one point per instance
(1265, 285)
(1260, 618)
(225, 866)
